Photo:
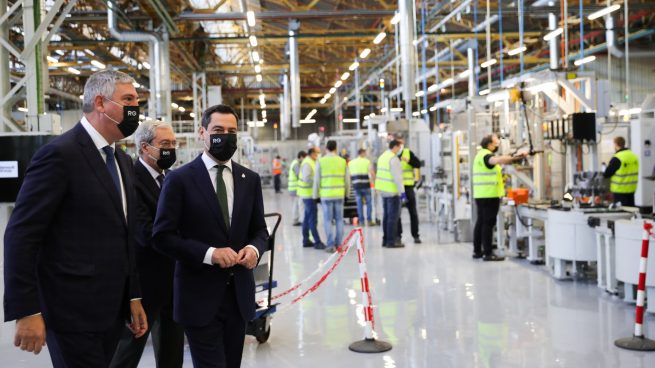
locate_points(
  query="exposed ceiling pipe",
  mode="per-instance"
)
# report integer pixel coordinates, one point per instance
(610, 37)
(155, 108)
(315, 14)
(294, 73)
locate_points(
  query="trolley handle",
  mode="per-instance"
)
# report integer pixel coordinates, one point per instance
(277, 223)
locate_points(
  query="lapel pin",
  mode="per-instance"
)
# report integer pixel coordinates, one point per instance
(243, 176)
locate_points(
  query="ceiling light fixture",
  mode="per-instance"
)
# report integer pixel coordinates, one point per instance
(253, 40)
(582, 61)
(489, 63)
(364, 54)
(250, 16)
(379, 37)
(603, 12)
(554, 33)
(516, 51)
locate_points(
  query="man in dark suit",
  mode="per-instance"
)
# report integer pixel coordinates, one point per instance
(70, 273)
(156, 143)
(210, 218)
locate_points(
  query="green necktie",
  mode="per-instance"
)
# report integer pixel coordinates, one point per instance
(221, 193)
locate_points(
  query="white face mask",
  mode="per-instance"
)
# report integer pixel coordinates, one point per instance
(402, 147)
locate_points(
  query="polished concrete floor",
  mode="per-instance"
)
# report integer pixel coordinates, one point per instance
(434, 304)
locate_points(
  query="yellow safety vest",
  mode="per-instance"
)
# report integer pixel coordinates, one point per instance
(625, 178)
(487, 183)
(384, 179)
(333, 177)
(408, 170)
(359, 173)
(293, 178)
(305, 190)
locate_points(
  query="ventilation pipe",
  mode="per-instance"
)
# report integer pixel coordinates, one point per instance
(294, 77)
(610, 36)
(155, 105)
(407, 52)
(285, 108)
(553, 43)
(472, 74)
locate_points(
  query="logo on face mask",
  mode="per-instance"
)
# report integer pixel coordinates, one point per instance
(130, 119)
(166, 158)
(222, 146)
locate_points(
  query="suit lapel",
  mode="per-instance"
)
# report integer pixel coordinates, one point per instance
(144, 178)
(98, 166)
(238, 177)
(204, 184)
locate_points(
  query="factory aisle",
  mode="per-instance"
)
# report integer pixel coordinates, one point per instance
(436, 305)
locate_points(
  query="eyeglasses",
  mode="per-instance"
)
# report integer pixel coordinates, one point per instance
(167, 145)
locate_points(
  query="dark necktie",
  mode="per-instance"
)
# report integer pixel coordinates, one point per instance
(221, 193)
(111, 166)
(160, 180)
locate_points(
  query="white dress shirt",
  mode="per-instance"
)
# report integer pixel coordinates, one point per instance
(155, 174)
(228, 179)
(100, 142)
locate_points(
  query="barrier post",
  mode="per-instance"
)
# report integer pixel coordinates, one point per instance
(370, 344)
(638, 341)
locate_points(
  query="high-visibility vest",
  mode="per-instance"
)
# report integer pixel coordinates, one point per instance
(333, 177)
(305, 189)
(293, 177)
(359, 172)
(625, 178)
(487, 183)
(384, 179)
(408, 170)
(277, 167)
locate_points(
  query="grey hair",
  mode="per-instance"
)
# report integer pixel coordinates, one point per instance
(102, 84)
(147, 131)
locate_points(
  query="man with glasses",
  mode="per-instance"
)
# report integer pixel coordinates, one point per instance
(156, 143)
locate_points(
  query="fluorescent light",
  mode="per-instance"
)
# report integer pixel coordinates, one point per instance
(345, 76)
(98, 64)
(396, 19)
(448, 82)
(323, 101)
(250, 15)
(89, 52)
(633, 111)
(485, 92)
(258, 69)
(263, 113)
(327, 96)
(255, 56)
(548, 86)
(307, 121)
(253, 40)
(420, 94)
(379, 37)
(259, 77)
(73, 71)
(262, 100)
(516, 51)
(332, 90)
(192, 114)
(265, 120)
(489, 63)
(383, 110)
(364, 54)
(603, 12)
(553, 34)
(498, 96)
(338, 84)
(371, 114)
(582, 61)
(181, 109)
(397, 109)
(81, 97)
(136, 85)
(433, 88)
(424, 111)
(60, 52)
(51, 59)
(465, 73)
(433, 108)
(142, 117)
(416, 114)
(350, 120)
(174, 105)
(353, 66)
(146, 65)
(22, 109)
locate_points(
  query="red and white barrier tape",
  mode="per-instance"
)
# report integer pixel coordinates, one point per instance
(641, 287)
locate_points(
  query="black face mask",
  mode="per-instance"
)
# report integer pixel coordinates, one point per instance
(130, 119)
(166, 159)
(222, 146)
